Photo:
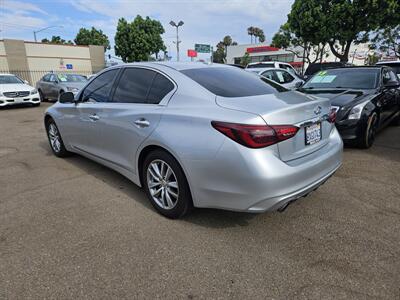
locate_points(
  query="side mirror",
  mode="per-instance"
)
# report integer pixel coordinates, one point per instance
(391, 84)
(298, 84)
(67, 97)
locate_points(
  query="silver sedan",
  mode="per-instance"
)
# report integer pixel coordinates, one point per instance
(196, 135)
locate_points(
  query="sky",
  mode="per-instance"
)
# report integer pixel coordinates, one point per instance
(205, 21)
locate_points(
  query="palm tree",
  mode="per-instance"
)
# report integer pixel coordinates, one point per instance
(250, 31)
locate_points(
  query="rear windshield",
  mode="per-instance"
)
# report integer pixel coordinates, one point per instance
(233, 82)
(314, 68)
(344, 78)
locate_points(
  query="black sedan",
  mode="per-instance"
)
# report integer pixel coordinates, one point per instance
(365, 99)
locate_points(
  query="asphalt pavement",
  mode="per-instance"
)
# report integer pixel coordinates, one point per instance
(72, 229)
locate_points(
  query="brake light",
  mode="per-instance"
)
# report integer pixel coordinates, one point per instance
(332, 115)
(255, 136)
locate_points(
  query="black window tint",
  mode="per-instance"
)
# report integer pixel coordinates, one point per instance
(232, 82)
(46, 77)
(160, 88)
(134, 86)
(269, 75)
(100, 87)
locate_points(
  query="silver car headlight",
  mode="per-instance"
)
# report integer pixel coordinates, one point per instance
(356, 111)
(34, 91)
(72, 89)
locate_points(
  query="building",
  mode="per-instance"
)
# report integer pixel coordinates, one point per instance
(31, 60)
(263, 52)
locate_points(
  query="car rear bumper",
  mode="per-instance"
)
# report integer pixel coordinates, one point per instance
(256, 180)
(30, 99)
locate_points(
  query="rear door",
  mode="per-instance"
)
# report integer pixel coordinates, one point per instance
(132, 114)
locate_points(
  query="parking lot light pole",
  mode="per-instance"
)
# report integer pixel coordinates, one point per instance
(172, 23)
(36, 31)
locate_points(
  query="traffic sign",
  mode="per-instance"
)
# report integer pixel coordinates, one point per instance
(202, 48)
(191, 53)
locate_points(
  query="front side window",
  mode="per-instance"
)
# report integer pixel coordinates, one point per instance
(99, 88)
(52, 78)
(134, 86)
(232, 82)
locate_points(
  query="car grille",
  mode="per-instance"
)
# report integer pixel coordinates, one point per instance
(16, 94)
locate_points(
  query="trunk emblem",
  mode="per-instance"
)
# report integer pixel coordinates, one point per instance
(317, 110)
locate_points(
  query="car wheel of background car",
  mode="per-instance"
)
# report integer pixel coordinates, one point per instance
(165, 185)
(42, 98)
(55, 140)
(396, 120)
(368, 138)
(36, 104)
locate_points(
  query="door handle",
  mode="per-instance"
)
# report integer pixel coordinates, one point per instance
(94, 117)
(142, 123)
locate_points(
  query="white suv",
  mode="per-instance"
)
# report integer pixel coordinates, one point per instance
(13, 90)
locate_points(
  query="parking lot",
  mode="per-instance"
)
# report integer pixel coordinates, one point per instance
(70, 228)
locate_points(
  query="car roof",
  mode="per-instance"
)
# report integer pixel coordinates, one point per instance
(7, 74)
(179, 66)
(388, 62)
(259, 70)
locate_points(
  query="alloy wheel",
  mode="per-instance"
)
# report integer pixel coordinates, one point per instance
(162, 184)
(54, 137)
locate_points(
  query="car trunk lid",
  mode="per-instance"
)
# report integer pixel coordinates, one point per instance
(288, 108)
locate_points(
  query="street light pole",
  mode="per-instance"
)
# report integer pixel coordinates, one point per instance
(172, 23)
(36, 31)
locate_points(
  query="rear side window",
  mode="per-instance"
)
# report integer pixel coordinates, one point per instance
(134, 86)
(160, 88)
(232, 82)
(46, 77)
(99, 88)
(284, 77)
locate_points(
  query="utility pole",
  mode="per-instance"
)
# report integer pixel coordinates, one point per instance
(34, 32)
(172, 23)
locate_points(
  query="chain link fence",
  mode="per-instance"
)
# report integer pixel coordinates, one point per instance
(34, 76)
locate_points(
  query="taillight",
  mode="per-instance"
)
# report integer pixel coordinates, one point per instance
(256, 136)
(332, 115)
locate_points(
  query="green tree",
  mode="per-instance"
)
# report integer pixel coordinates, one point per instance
(219, 55)
(259, 33)
(387, 40)
(245, 60)
(307, 51)
(56, 39)
(92, 36)
(340, 23)
(137, 40)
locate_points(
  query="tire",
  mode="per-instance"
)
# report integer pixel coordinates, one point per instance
(36, 104)
(55, 140)
(169, 193)
(368, 137)
(42, 98)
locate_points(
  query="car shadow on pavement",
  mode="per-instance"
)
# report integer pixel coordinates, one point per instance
(205, 217)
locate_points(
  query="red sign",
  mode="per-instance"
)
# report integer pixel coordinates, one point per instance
(191, 53)
(261, 49)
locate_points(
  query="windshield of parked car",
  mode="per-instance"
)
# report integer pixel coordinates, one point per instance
(232, 82)
(344, 78)
(71, 78)
(7, 79)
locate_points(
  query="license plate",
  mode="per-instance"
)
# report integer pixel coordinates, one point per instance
(313, 133)
(18, 100)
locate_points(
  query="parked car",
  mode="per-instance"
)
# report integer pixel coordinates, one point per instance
(52, 85)
(366, 99)
(316, 67)
(280, 76)
(236, 65)
(14, 90)
(200, 135)
(395, 65)
(273, 64)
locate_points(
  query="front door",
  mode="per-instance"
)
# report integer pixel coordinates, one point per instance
(132, 114)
